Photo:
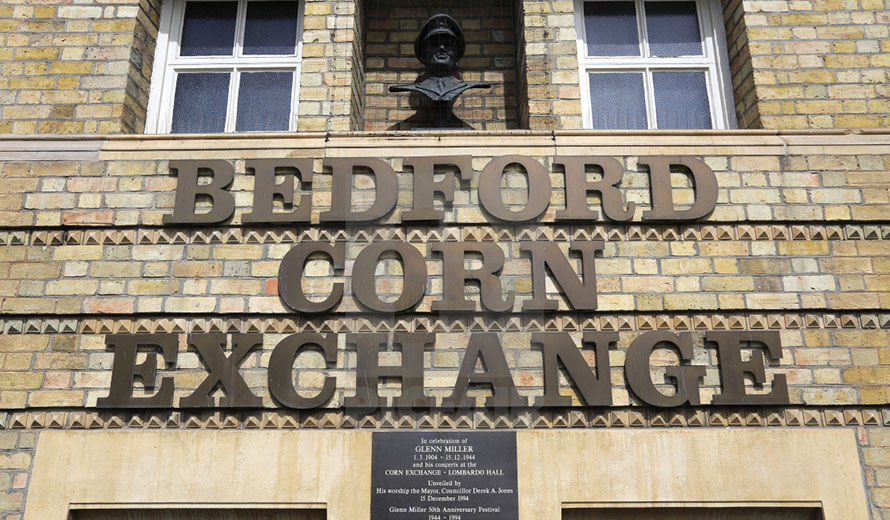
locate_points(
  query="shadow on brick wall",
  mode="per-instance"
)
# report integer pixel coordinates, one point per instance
(392, 26)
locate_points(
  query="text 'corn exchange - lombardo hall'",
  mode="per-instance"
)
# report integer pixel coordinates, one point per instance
(444, 260)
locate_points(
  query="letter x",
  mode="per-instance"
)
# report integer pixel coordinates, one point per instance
(223, 371)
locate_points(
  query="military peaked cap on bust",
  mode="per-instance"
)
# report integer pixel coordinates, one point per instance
(439, 24)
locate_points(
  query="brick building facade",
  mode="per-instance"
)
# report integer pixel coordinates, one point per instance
(796, 245)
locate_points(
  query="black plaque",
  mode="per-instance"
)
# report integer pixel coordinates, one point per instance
(443, 476)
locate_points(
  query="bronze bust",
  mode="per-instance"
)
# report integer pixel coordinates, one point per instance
(439, 46)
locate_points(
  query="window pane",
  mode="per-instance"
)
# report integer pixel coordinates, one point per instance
(264, 101)
(611, 29)
(199, 104)
(673, 29)
(208, 29)
(681, 99)
(617, 100)
(271, 28)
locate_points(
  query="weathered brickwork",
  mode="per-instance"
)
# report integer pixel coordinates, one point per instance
(550, 73)
(798, 244)
(390, 60)
(824, 366)
(793, 178)
(328, 100)
(875, 446)
(231, 273)
(814, 64)
(16, 458)
(145, 35)
(357, 82)
(75, 68)
(86, 68)
(739, 54)
(521, 67)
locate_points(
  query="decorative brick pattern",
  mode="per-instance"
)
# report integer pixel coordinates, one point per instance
(868, 419)
(558, 322)
(488, 29)
(798, 245)
(635, 233)
(799, 242)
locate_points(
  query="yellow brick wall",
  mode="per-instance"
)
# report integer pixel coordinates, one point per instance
(798, 244)
(75, 68)
(816, 64)
(739, 55)
(552, 97)
(85, 68)
(328, 101)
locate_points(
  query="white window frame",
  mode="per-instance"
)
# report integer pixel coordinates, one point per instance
(714, 62)
(168, 63)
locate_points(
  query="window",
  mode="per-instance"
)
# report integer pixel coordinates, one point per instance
(226, 66)
(652, 64)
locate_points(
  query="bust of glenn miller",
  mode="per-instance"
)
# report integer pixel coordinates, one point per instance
(439, 46)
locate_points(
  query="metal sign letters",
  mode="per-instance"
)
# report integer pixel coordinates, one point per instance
(561, 352)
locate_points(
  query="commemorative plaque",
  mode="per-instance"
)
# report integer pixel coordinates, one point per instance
(443, 476)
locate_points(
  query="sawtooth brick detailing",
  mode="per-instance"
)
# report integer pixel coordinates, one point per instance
(797, 246)
(794, 257)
